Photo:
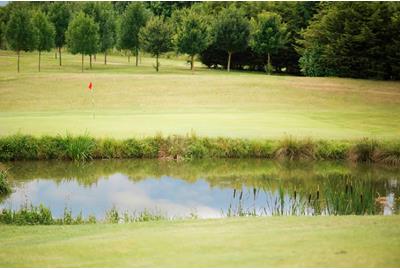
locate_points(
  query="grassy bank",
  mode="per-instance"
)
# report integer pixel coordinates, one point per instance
(81, 148)
(253, 242)
(135, 101)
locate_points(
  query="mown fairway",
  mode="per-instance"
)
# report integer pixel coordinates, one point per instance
(238, 242)
(136, 101)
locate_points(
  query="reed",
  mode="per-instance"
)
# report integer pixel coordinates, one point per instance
(5, 187)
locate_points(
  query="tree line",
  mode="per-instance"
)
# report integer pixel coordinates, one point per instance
(346, 39)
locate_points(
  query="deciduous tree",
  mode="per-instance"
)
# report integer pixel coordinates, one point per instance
(193, 35)
(60, 15)
(45, 33)
(268, 35)
(83, 36)
(132, 21)
(156, 37)
(20, 32)
(231, 31)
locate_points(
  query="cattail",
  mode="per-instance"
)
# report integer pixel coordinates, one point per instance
(295, 194)
(309, 198)
(361, 198)
(234, 193)
(347, 188)
(241, 194)
(254, 193)
(318, 192)
(351, 188)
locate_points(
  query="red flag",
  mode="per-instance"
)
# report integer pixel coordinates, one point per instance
(90, 86)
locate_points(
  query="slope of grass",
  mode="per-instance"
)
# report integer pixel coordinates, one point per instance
(368, 241)
(136, 101)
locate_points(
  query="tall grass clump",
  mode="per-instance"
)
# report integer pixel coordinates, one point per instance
(363, 150)
(5, 187)
(79, 148)
(331, 150)
(293, 149)
(388, 153)
(18, 147)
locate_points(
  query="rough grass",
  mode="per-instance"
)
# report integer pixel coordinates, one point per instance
(350, 241)
(135, 101)
(84, 147)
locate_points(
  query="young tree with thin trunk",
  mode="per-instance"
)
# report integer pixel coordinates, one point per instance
(20, 33)
(107, 29)
(60, 15)
(231, 31)
(83, 36)
(156, 37)
(192, 37)
(45, 33)
(132, 21)
(268, 35)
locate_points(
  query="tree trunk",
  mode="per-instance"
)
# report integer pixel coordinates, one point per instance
(105, 58)
(137, 56)
(157, 62)
(55, 54)
(268, 69)
(39, 61)
(90, 65)
(140, 58)
(192, 63)
(18, 61)
(59, 53)
(82, 62)
(229, 61)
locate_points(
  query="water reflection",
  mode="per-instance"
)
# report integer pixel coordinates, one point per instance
(205, 188)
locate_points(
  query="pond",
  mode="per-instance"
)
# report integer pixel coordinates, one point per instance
(206, 189)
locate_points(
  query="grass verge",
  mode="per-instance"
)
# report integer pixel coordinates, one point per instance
(350, 241)
(84, 147)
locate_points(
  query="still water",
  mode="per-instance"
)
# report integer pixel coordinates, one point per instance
(207, 189)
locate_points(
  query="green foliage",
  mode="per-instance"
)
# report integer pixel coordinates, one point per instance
(79, 148)
(5, 187)
(132, 21)
(27, 215)
(84, 147)
(268, 35)
(352, 40)
(107, 27)
(60, 15)
(20, 33)
(192, 34)
(82, 35)
(156, 37)
(231, 31)
(45, 31)
(18, 147)
(112, 216)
